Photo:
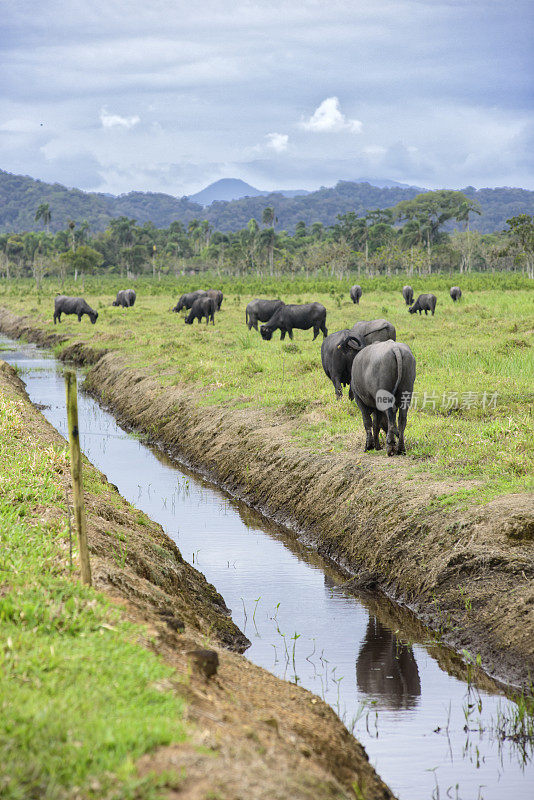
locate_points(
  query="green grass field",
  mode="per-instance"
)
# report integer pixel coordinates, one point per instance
(471, 354)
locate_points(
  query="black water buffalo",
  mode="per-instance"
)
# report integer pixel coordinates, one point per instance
(204, 306)
(426, 303)
(337, 358)
(125, 298)
(304, 317)
(355, 293)
(187, 300)
(382, 380)
(407, 293)
(73, 305)
(455, 292)
(217, 296)
(260, 310)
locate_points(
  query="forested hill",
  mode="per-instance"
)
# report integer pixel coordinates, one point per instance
(20, 197)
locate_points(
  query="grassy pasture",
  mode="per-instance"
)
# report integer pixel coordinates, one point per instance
(479, 348)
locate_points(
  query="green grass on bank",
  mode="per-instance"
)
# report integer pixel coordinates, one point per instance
(79, 697)
(472, 354)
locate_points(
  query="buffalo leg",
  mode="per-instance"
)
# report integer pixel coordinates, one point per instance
(324, 329)
(403, 418)
(338, 389)
(367, 424)
(282, 335)
(315, 332)
(392, 432)
(290, 333)
(376, 429)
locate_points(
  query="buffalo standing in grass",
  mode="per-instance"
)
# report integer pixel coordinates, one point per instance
(303, 317)
(355, 293)
(73, 305)
(426, 303)
(125, 298)
(455, 292)
(260, 311)
(407, 293)
(382, 379)
(186, 300)
(337, 360)
(217, 296)
(204, 306)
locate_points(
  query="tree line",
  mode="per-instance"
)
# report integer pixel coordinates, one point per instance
(414, 237)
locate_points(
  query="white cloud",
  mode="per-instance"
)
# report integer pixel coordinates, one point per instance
(328, 117)
(116, 121)
(277, 141)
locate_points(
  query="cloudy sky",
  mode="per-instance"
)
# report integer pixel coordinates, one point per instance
(169, 95)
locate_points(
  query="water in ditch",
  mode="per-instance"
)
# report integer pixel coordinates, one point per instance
(428, 732)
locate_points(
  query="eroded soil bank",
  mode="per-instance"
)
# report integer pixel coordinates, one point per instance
(252, 734)
(466, 571)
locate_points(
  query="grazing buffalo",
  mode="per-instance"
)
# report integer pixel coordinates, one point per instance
(260, 310)
(337, 358)
(355, 293)
(125, 298)
(382, 380)
(407, 293)
(455, 292)
(309, 315)
(187, 300)
(217, 296)
(426, 303)
(73, 305)
(204, 306)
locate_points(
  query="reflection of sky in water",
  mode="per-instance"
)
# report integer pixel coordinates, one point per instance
(299, 619)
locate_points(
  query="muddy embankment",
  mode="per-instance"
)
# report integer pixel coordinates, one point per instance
(251, 734)
(467, 572)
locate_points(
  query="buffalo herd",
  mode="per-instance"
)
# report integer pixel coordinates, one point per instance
(379, 371)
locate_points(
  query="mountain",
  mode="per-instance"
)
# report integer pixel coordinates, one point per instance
(228, 189)
(224, 190)
(387, 184)
(20, 197)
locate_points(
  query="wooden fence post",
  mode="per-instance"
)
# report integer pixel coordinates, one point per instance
(76, 472)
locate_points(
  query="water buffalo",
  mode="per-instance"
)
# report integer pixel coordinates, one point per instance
(426, 303)
(204, 306)
(407, 293)
(355, 293)
(261, 310)
(382, 380)
(73, 305)
(125, 298)
(187, 300)
(217, 296)
(309, 315)
(455, 292)
(337, 358)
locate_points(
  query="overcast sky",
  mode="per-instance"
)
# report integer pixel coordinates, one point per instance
(167, 95)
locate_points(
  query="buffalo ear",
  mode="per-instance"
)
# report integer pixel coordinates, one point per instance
(355, 343)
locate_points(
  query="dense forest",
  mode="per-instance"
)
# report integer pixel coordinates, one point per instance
(412, 237)
(20, 197)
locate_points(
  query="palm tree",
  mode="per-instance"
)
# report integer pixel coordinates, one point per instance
(44, 213)
(465, 208)
(268, 217)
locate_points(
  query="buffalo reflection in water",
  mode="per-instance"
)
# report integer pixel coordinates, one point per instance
(386, 669)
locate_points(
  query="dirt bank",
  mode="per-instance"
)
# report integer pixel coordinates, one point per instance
(253, 735)
(467, 571)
